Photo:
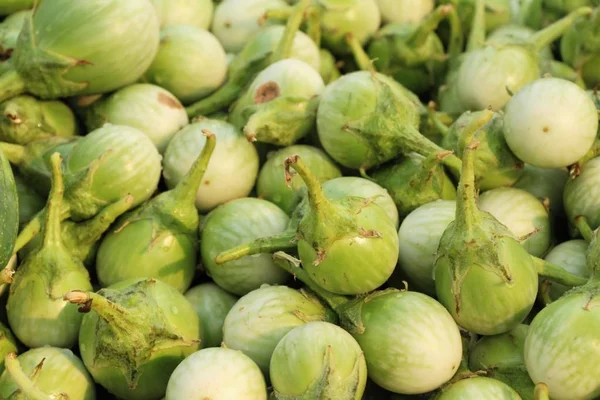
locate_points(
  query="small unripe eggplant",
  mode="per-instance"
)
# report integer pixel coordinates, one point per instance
(523, 214)
(159, 239)
(365, 119)
(10, 28)
(570, 255)
(46, 373)
(419, 237)
(134, 334)
(483, 275)
(190, 63)
(280, 105)
(36, 312)
(333, 364)
(580, 194)
(261, 318)
(547, 184)
(212, 304)
(480, 264)
(25, 119)
(328, 66)
(415, 181)
(149, 108)
(184, 12)
(217, 373)
(478, 387)
(501, 357)
(232, 170)
(271, 183)
(339, 239)
(579, 48)
(95, 47)
(233, 224)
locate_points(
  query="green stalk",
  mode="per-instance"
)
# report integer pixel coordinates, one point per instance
(11, 85)
(556, 273)
(467, 213)
(292, 265)
(541, 392)
(313, 29)
(477, 35)
(360, 55)
(270, 244)
(584, 228)
(284, 49)
(319, 203)
(51, 231)
(13, 152)
(546, 36)
(220, 99)
(456, 41)
(186, 189)
(25, 384)
(112, 313)
(429, 25)
(432, 115)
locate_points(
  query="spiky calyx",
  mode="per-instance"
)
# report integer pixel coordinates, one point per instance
(130, 325)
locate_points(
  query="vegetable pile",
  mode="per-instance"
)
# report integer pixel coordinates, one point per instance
(299, 199)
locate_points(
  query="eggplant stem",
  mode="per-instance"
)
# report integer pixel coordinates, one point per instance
(360, 56)
(87, 301)
(541, 392)
(52, 230)
(466, 207)
(584, 228)
(293, 266)
(284, 241)
(25, 384)
(187, 188)
(220, 99)
(284, 48)
(13, 152)
(429, 25)
(314, 25)
(477, 35)
(556, 273)
(456, 42)
(317, 199)
(546, 36)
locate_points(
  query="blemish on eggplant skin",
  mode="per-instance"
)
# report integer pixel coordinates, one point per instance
(546, 129)
(207, 183)
(169, 101)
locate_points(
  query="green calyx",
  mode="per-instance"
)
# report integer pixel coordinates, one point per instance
(253, 58)
(281, 121)
(495, 163)
(130, 328)
(416, 181)
(26, 119)
(580, 45)
(81, 238)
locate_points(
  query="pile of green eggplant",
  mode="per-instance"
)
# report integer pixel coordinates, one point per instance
(299, 199)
